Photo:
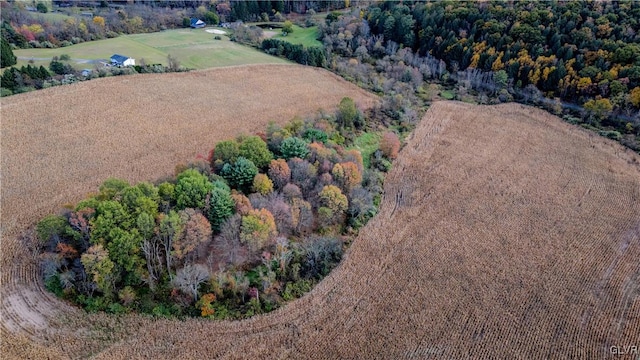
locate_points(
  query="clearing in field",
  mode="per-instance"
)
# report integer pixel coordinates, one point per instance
(194, 48)
(304, 36)
(503, 233)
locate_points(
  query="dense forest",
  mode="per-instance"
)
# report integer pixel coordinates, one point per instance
(257, 223)
(578, 60)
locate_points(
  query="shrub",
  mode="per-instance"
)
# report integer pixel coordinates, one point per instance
(294, 147)
(390, 145)
(294, 290)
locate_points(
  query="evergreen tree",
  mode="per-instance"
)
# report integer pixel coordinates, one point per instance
(7, 58)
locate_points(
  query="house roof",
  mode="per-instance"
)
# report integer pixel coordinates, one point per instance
(119, 58)
(195, 22)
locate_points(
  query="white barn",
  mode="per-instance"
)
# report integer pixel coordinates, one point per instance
(120, 60)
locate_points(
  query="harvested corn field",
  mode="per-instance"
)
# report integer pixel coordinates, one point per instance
(503, 233)
(61, 143)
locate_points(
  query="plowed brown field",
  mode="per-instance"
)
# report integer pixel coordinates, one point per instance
(503, 233)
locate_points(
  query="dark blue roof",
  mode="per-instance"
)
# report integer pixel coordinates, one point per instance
(119, 58)
(194, 22)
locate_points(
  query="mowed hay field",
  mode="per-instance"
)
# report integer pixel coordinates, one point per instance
(503, 233)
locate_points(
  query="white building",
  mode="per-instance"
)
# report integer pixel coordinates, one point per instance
(119, 60)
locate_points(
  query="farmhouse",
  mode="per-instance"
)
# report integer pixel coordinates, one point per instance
(119, 60)
(197, 23)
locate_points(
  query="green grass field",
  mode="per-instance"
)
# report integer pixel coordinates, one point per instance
(195, 49)
(304, 36)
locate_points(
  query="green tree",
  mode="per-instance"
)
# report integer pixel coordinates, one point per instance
(110, 214)
(221, 207)
(240, 175)
(42, 8)
(50, 228)
(111, 187)
(143, 197)
(255, 149)
(347, 113)
(333, 199)
(294, 147)
(287, 28)
(124, 249)
(500, 77)
(211, 18)
(169, 229)
(191, 189)
(8, 80)
(262, 184)
(145, 224)
(226, 151)
(7, 58)
(257, 228)
(99, 266)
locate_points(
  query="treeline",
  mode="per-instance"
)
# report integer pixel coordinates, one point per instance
(586, 53)
(257, 223)
(59, 72)
(579, 60)
(312, 56)
(24, 29)
(254, 10)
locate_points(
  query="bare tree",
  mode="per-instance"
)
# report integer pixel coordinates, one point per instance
(151, 251)
(189, 278)
(173, 63)
(228, 242)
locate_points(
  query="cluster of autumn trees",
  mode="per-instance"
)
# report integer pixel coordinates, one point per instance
(28, 30)
(573, 58)
(258, 222)
(312, 56)
(16, 80)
